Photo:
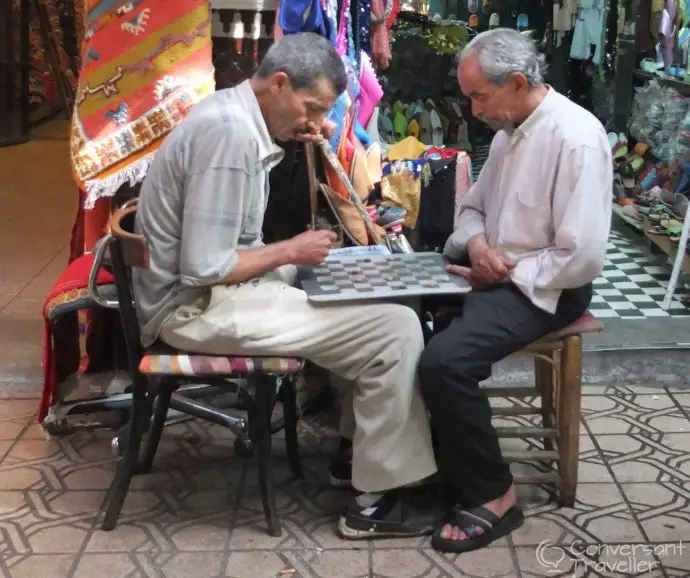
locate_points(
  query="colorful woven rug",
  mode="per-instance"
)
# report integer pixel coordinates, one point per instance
(145, 64)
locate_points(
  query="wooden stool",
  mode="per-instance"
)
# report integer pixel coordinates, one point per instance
(558, 384)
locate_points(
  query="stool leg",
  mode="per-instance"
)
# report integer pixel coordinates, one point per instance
(568, 418)
(544, 381)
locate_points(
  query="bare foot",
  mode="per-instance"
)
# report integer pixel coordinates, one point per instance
(499, 506)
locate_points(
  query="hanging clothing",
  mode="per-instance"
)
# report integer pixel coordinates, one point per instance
(302, 16)
(564, 16)
(380, 36)
(361, 20)
(588, 31)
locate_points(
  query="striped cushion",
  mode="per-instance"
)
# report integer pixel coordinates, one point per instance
(216, 365)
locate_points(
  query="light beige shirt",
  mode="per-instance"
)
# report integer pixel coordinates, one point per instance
(543, 197)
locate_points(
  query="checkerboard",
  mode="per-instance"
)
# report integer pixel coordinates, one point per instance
(633, 283)
(379, 276)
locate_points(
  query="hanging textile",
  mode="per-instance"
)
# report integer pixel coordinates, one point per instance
(145, 65)
(64, 20)
(380, 35)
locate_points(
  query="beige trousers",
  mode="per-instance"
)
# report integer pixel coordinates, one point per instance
(375, 347)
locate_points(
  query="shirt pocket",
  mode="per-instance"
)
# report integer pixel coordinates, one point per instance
(532, 199)
(527, 223)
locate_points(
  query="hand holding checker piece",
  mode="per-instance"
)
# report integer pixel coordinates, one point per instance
(378, 277)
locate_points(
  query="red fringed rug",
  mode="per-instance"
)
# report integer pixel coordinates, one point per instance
(69, 295)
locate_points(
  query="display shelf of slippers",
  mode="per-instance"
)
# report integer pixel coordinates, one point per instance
(679, 84)
(663, 234)
(439, 123)
(645, 182)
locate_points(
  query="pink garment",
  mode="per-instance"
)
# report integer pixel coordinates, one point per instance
(380, 36)
(370, 91)
(341, 41)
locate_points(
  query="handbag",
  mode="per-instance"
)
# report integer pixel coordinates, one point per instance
(330, 209)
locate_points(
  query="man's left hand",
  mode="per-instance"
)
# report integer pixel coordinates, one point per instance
(467, 274)
(316, 134)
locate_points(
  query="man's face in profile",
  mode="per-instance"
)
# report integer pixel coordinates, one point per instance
(491, 103)
(301, 111)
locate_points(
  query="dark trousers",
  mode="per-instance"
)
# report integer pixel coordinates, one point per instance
(492, 324)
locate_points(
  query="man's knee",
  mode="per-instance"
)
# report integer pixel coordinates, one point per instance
(444, 364)
(433, 364)
(403, 323)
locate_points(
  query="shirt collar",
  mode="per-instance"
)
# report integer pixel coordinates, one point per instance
(546, 106)
(269, 152)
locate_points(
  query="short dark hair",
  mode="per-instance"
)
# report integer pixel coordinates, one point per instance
(305, 58)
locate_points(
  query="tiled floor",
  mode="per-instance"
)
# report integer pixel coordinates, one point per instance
(198, 513)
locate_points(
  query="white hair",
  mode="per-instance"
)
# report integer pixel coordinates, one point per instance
(502, 51)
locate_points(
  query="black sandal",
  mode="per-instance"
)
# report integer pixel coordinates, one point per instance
(402, 513)
(467, 521)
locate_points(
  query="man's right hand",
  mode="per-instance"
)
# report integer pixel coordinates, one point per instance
(488, 265)
(310, 247)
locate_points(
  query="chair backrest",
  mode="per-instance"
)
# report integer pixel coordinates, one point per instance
(128, 250)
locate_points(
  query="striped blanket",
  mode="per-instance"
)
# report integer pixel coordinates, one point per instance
(145, 63)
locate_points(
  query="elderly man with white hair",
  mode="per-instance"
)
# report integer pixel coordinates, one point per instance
(530, 237)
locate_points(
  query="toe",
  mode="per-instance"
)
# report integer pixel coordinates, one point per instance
(446, 532)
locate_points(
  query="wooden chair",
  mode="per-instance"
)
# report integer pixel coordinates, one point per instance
(558, 385)
(159, 371)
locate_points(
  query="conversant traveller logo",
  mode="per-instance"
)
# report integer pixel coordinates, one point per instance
(624, 559)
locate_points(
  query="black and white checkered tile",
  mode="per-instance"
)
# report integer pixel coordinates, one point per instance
(633, 284)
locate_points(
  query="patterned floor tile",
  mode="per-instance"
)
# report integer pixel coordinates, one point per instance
(427, 563)
(324, 563)
(675, 558)
(4, 448)
(16, 409)
(168, 522)
(49, 522)
(663, 509)
(258, 563)
(30, 565)
(642, 414)
(622, 390)
(11, 429)
(600, 515)
(682, 400)
(308, 513)
(636, 458)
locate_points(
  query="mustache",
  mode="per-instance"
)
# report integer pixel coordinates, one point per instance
(495, 125)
